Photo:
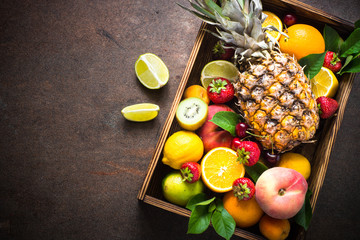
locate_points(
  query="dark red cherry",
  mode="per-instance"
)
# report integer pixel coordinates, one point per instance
(240, 129)
(272, 157)
(290, 19)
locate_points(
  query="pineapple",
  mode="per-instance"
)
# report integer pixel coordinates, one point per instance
(274, 95)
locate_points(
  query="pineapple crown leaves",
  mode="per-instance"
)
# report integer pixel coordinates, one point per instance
(217, 85)
(239, 23)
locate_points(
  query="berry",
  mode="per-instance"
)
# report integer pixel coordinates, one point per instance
(243, 188)
(327, 106)
(332, 62)
(220, 90)
(223, 51)
(190, 171)
(248, 151)
(272, 157)
(241, 129)
(289, 19)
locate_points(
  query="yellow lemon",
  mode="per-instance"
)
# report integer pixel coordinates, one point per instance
(182, 147)
(324, 83)
(297, 162)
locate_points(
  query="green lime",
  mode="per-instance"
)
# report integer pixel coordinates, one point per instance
(141, 112)
(151, 71)
(218, 68)
(179, 192)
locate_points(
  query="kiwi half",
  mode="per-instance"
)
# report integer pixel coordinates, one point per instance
(191, 113)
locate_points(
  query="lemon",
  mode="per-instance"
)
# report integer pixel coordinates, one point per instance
(324, 83)
(218, 68)
(151, 71)
(182, 147)
(273, 20)
(297, 162)
(141, 112)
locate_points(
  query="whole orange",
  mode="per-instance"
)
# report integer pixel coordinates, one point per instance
(303, 40)
(274, 229)
(245, 213)
(197, 91)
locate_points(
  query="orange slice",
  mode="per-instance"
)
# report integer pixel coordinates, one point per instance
(220, 169)
(275, 21)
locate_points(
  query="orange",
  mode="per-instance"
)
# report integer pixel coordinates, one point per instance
(220, 169)
(303, 40)
(275, 21)
(245, 213)
(198, 92)
(274, 229)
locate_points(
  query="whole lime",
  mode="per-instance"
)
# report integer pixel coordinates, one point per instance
(179, 192)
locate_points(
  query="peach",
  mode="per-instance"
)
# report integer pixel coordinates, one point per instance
(211, 134)
(280, 192)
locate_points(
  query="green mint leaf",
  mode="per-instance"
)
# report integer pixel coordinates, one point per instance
(332, 39)
(351, 44)
(303, 217)
(199, 220)
(352, 67)
(201, 197)
(312, 64)
(357, 24)
(256, 170)
(222, 221)
(226, 120)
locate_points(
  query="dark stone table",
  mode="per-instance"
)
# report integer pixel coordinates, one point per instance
(70, 165)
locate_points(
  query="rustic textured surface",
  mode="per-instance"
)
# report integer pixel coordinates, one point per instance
(70, 165)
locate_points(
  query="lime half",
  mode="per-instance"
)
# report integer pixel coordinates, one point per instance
(218, 68)
(151, 71)
(141, 112)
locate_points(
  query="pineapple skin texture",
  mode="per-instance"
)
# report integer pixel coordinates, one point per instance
(276, 101)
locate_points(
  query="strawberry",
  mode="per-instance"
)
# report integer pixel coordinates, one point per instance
(248, 151)
(243, 188)
(190, 171)
(220, 90)
(222, 51)
(327, 106)
(332, 62)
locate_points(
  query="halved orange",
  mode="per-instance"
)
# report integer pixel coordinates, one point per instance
(275, 21)
(220, 169)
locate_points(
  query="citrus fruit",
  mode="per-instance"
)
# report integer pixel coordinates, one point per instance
(181, 147)
(246, 213)
(220, 169)
(179, 192)
(197, 91)
(324, 83)
(218, 68)
(297, 162)
(273, 20)
(303, 40)
(274, 229)
(151, 71)
(191, 113)
(140, 112)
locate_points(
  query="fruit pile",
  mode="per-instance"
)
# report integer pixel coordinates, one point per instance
(263, 94)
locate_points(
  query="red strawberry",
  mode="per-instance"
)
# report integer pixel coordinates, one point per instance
(248, 151)
(220, 90)
(327, 106)
(190, 172)
(223, 51)
(243, 188)
(332, 62)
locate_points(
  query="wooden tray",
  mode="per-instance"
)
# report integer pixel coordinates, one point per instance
(318, 153)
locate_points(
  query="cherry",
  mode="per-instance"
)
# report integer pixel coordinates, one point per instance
(240, 129)
(290, 19)
(272, 157)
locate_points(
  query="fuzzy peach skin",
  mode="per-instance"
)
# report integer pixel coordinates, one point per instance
(280, 192)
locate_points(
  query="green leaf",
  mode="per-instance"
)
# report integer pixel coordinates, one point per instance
(357, 24)
(222, 221)
(201, 197)
(351, 44)
(332, 39)
(226, 120)
(352, 67)
(303, 217)
(347, 61)
(199, 220)
(312, 64)
(256, 170)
